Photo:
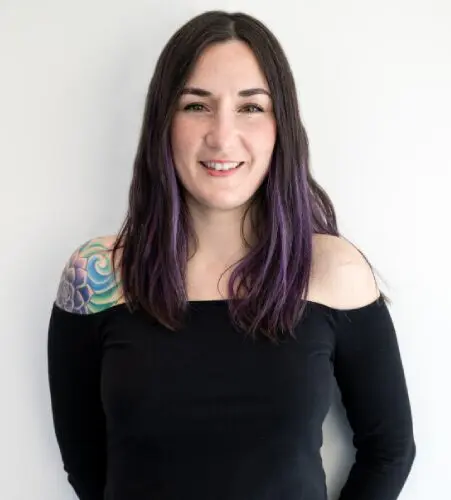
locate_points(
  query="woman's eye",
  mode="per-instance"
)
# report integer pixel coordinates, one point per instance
(253, 108)
(249, 108)
(195, 106)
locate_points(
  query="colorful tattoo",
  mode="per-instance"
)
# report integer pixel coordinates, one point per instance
(88, 284)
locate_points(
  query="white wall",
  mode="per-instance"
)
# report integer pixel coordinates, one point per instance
(374, 82)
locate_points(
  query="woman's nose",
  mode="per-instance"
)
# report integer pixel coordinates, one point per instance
(221, 131)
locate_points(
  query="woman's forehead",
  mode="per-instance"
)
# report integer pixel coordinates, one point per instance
(230, 64)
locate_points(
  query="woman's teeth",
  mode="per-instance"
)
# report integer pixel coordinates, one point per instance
(221, 166)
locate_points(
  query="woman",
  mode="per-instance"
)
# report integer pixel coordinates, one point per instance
(192, 355)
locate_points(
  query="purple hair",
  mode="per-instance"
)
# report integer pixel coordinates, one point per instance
(271, 282)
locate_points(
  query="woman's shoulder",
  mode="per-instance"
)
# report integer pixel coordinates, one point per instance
(341, 276)
(88, 283)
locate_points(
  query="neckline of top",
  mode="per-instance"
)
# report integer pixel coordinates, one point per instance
(225, 302)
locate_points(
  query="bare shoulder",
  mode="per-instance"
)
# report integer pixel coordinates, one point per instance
(88, 283)
(341, 276)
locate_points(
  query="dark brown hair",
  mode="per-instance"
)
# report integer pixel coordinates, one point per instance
(291, 206)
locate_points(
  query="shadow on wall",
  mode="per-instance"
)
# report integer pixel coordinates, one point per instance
(337, 452)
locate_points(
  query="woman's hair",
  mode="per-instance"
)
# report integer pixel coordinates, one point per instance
(271, 281)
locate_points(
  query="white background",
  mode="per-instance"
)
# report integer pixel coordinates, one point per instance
(374, 83)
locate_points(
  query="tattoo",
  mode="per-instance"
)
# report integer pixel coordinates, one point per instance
(88, 284)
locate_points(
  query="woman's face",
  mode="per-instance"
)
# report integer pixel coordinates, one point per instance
(224, 115)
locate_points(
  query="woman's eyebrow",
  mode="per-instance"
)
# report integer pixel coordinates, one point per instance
(205, 93)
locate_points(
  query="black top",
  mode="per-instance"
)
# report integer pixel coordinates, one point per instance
(207, 413)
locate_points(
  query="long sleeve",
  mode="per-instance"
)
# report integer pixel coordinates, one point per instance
(74, 379)
(370, 375)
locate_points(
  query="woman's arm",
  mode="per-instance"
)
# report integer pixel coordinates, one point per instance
(369, 373)
(74, 379)
(74, 369)
(371, 379)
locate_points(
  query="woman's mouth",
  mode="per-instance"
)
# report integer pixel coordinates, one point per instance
(220, 169)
